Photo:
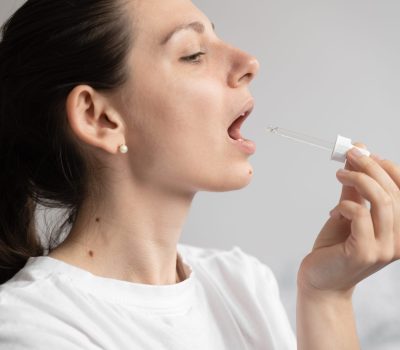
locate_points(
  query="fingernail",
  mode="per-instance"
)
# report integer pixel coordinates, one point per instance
(355, 153)
(342, 172)
(334, 213)
(376, 157)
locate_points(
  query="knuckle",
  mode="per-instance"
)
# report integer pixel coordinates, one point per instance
(359, 177)
(369, 165)
(385, 256)
(368, 258)
(362, 212)
(386, 200)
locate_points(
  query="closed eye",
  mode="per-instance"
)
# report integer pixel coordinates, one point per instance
(193, 58)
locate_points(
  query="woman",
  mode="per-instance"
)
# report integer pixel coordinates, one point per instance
(121, 111)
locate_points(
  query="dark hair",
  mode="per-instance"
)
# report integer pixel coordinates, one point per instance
(47, 48)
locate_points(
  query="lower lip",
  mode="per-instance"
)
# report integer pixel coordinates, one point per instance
(247, 146)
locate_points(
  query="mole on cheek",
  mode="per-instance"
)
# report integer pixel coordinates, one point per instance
(97, 219)
(250, 172)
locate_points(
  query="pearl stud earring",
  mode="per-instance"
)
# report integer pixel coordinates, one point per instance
(123, 148)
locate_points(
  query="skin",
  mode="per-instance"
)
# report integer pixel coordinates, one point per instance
(354, 243)
(173, 115)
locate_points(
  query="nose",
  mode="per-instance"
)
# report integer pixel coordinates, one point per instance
(244, 67)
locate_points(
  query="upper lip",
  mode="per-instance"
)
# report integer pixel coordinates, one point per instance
(244, 111)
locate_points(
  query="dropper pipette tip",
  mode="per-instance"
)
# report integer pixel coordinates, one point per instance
(273, 129)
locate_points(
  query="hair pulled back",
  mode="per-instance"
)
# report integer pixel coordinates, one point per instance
(47, 48)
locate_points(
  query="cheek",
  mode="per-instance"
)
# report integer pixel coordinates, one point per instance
(195, 106)
(180, 133)
(179, 98)
(184, 109)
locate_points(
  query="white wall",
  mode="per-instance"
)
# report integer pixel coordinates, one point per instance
(327, 67)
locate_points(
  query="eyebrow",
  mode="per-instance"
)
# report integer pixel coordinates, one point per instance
(196, 26)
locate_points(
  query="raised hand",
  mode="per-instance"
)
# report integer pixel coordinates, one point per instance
(357, 240)
(361, 236)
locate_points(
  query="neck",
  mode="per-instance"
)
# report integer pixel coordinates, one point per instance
(129, 235)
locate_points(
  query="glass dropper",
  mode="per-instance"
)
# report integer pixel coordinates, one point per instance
(295, 136)
(338, 149)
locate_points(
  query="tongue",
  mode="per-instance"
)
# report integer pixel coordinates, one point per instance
(234, 129)
(234, 133)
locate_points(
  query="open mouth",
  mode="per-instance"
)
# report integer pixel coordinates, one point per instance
(234, 129)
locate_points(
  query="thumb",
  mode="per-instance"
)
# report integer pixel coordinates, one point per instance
(335, 231)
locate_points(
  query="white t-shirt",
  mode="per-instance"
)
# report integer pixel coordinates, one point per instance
(229, 300)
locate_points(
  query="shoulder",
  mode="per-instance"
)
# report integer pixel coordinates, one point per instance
(24, 299)
(33, 281)
(231, 265)
(24, 283)
(33, 306)
(241, 283)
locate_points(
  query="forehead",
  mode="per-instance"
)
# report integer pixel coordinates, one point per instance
(156, 18)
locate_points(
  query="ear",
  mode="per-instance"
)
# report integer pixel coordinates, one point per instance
(93, 121)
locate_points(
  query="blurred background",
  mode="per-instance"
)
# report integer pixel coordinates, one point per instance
(327, 67)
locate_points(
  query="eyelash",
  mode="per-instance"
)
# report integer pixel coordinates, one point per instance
(192, 58)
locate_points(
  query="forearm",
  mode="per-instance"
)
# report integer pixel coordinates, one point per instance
(325, 323)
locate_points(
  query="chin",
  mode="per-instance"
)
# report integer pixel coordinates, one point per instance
(235, 180)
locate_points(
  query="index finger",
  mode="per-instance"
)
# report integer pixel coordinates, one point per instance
(349, 192)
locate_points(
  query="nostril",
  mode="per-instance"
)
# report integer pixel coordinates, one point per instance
(243, 69)
(247, 76)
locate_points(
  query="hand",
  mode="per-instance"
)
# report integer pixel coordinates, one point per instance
(356, 241)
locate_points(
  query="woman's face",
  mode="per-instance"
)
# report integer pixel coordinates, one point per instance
(179, 104)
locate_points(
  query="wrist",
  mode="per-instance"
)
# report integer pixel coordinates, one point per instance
(308, 292)
(325, 320)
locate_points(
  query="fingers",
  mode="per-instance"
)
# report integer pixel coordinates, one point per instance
(373, 169)
(394, 172)
(377, 181)
(386, 178)
(381, 202)
(362, 230)
(391, 168)
(348, 192)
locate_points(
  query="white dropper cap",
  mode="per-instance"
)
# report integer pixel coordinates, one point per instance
(342, 146)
